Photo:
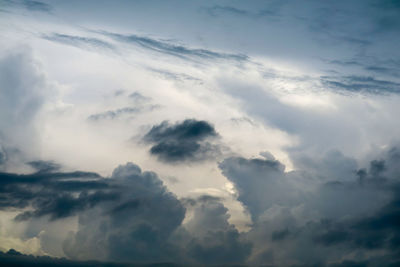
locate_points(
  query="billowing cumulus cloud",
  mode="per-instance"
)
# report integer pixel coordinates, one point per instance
(337, 215)
(213, 240)
(132, 217)
(135, 228)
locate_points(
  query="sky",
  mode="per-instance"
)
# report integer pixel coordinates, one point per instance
(200, 133)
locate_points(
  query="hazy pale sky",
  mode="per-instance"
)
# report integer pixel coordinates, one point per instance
(200, 132)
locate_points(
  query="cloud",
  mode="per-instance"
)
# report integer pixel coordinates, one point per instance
(113, 114)
(263, 178)
(141, 104)
(3, 156)
(15, 258)
(187, 140)
(230, 10)
(329, 204)
(24, 89)
(135, 228)
(79, 41)
(44, 166)
(53, 194)
(30, 5)
(172, 49)
(363, 84)
(132, 217)
(139, 98)
(213, 240)
(128, 217)
(37, 6)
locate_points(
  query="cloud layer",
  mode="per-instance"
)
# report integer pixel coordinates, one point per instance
(263, 133)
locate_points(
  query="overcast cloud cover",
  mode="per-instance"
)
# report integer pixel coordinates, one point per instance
(195, 133)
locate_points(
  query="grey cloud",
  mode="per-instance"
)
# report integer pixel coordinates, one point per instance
(345, 62)
(173, 49)
(79, 41)
(14, 258)
(112, 114)
(44, 166)
(141, 104)
(48, 193)
(37, 6)
(132, 217)
(255, 179)
(3, 156)
(24, 90)
(176, 76)
(128, 217)
(135, 228)
(328, 129)
(187, 140)
(218, 10)
(213, 240)
(376, 66)
(30, 5)
(227, 9)
(364, 84)
(335, 218)
(139, 98)
(19, 75)
(152, 44)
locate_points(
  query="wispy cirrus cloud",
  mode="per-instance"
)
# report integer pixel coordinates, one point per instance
(362, 84)
(79, 41)
(173, 49)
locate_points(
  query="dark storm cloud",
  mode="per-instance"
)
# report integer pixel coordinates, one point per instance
(14, 258)
(131, 213)
(78, 41)
(50, 193)
(354, 211)
(187, 140)
(128, 217)
(172, 49)
(363, 84)
(132, 217)
(136, 228)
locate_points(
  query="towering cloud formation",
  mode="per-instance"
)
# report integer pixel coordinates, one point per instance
(23, 91)
(213, 239)
(336, 217)
(129, 217)
(136, 227)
